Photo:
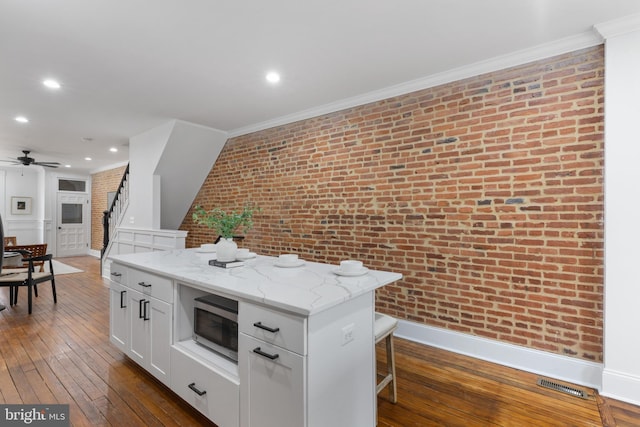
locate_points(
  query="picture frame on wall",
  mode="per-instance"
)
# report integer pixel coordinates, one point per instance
(20, 205)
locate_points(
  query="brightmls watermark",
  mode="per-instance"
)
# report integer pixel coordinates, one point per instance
(34, 415)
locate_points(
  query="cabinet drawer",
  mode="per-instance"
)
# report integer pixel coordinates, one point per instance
(274, 327)
(119, 273)
(151, 284)
(213, 394)
(273, 385)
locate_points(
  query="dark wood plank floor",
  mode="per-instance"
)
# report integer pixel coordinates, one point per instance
(61, 354)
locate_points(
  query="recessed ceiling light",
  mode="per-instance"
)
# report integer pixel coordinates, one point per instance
(113, 149)
(21, 119)
(273, 77)
(51, 84)
(67, 166)
(87, 158)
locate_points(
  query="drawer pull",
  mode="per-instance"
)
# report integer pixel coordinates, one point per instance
(116, 274)
(267, 355)
(266, 328)
(140, 308)
(193, 387)
(144, 285)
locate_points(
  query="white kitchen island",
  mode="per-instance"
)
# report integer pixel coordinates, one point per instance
(324, 372)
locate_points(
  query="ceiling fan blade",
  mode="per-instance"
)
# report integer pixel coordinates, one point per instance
(47, 164)
(26, 161)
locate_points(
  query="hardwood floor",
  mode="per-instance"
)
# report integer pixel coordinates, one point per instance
(61, 354)
(437, 387)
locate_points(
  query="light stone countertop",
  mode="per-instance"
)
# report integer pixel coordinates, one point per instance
(306, 290)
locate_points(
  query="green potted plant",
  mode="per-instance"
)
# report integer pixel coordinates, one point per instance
(225, 224)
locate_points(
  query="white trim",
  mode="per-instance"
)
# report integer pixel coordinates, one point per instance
(568, 44)
(618, 27)
(621, 386)
(550, 365)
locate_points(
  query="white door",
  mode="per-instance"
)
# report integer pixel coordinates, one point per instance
(71, 236)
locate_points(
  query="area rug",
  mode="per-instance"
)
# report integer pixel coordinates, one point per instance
(61, 268)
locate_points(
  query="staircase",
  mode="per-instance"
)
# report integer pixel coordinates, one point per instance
(113, 216)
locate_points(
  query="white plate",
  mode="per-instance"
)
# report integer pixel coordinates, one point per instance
(360, 272)
(251, 255)
(205, 251)
(298, 263)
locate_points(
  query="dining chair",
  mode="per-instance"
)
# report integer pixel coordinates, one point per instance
(34, 250)
(13, 277)
(35, 277)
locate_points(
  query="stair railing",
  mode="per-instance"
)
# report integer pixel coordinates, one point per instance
(113, 216)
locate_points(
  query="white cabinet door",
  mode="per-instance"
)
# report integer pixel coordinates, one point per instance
(119, 316)
(139, 327)
(273, 385)
(150, 334)
(159, 339)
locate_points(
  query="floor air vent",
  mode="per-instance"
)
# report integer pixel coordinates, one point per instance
(562, 388)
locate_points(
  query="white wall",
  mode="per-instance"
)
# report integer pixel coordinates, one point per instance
(23, 182)
(41, 185)
(168, 165)
(621, 376)
(144, 192)
(185, 163)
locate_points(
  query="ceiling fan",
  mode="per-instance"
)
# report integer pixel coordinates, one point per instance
(27, 161)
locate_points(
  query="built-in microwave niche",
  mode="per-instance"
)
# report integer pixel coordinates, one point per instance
(183, 330)
(215, 324)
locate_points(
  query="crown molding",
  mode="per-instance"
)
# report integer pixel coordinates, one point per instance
(618, 27)
(580, 41)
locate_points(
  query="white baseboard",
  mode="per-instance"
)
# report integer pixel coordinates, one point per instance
(621, 386)
(550, 365)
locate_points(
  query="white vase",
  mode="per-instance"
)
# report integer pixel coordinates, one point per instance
(226, 250)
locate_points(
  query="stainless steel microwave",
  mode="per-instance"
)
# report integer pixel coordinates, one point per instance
(215, 324)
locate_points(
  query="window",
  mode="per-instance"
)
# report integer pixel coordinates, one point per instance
(71, 213)
(71, 185)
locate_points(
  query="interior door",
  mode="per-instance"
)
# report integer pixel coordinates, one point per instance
(71, 236)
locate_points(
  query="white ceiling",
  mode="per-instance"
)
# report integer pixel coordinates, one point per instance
(128, 66)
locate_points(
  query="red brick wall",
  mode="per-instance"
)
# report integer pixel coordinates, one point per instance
(485, 193)
(101, 184)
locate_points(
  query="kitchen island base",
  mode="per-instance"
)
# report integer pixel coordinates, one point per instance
(298, 365)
